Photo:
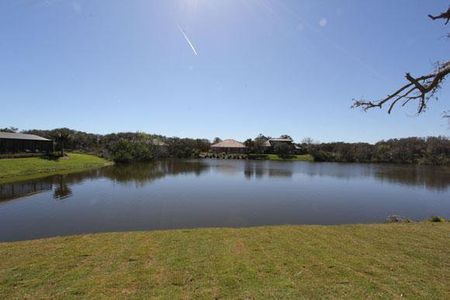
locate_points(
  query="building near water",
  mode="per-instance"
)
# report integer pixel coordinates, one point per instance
(277, 141)
(11, 143)
(229, 146)
(269, 144)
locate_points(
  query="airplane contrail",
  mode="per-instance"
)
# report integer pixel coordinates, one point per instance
(187, 40)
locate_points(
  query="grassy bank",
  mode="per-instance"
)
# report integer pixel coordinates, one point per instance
(357, 261)
(305, 157)
(16, 169)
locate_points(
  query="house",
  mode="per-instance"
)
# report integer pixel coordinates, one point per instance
(277, 141)
(11, 142)
(269, 145)
(229, 146)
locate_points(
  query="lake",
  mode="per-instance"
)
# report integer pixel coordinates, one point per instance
(217, 193)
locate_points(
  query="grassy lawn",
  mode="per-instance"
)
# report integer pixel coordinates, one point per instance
(16, 169)
(305, 157)
(353, 261)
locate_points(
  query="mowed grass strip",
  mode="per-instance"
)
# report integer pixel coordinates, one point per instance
(16, 169)
(356, 261)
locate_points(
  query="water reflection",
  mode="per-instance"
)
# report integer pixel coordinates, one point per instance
(144, 173)
(203, 193)
(253, 169)
(420, 176)
(139, 174)
(62, 189)
(11, 191)
(431, 178)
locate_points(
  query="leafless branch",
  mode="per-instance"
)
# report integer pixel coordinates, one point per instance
(420, 89)
(444, 15)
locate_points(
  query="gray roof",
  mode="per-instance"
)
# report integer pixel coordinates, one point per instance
(21, 136)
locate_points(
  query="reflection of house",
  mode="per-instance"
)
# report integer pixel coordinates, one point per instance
(24, 143)
(229, 146)
(10, 191)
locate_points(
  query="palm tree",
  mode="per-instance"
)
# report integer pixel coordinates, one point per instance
(61, 137)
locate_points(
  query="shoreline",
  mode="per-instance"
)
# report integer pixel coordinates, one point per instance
(389, 221)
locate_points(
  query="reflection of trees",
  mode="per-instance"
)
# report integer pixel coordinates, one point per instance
(143, 173)
(432, 178)
(260, 170)
(62, 189)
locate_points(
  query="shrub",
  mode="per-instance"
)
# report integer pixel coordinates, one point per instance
(436, 219)
(127, 151)
(282, 150)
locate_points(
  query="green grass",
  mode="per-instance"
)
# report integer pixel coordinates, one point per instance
(305, 157)
(283, 262)
(16, 169)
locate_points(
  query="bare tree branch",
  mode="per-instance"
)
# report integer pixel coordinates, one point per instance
(444, 15)
(420, 89)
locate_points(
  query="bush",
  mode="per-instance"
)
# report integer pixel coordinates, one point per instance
(282, 150)
(436, 219)
(126, 151)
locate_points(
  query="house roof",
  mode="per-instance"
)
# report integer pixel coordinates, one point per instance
(21, 136)
(229, 144)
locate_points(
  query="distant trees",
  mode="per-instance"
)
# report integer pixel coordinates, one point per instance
(9, 129)
(217, 140)
(307, 141)
(259, 143)
(250, 144)
(431, 151)
(256, 145)
(139, 146)
(129, 151)
(61, 136)
(75, 141)
(186, 148)
(111, 145)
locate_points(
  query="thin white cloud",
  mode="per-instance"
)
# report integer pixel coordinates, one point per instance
(323, 22)
(187, 40)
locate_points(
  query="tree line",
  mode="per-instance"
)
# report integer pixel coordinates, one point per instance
(139, 146)
(125, 146)
(413, 150)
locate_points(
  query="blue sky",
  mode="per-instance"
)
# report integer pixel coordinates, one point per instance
(233, 69)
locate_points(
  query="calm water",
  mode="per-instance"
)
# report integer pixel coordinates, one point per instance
(203, 193)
